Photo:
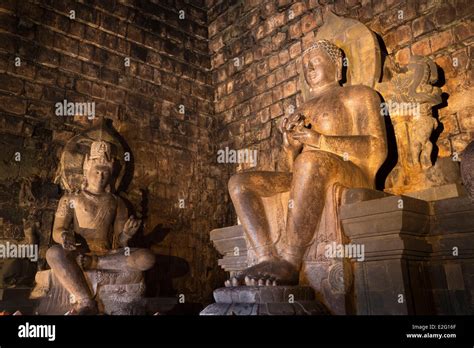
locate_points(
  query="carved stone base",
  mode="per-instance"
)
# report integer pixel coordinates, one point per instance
(117, 293)
(265, 300)
(438, 193)
(419, 257)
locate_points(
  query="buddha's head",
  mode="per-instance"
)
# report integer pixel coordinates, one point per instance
(322, 64)
(98, 167)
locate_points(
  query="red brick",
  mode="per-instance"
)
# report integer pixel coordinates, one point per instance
(307, 40)
(296, 10)
(398, 37)
(134, 33)
(277, 93)
(276, 110)
(264, 115)
(33, 91)
(46, 75)
(295, 30)
(69, 63)
(422, 25)
(273, 62)
(290, 70)
(90, 70)
(39, 109)
(295, 50)
(13, 105)
(444, 15)
(284, 57)
(11, 84)
(76, 29)
(280, 75)
(421, 48)
(289, 89)
(309, 23)
(464, 30)
(262, 68)
(441, 40)
(48, 57)
(278, 40)
(270, 83)
(94, 35)
(98, 91)
(464, 8)
(83, 86)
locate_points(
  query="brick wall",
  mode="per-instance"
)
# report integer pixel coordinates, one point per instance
(83, 59)
(255, 76)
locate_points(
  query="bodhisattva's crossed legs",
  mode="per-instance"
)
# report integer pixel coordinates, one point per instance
(65, 267)
(313, 172)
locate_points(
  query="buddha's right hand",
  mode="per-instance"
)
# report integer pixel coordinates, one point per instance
(68, 241)
(289, 123)
(291, 145)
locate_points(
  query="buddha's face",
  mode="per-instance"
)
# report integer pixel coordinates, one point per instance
(318, 68)
(98, 177)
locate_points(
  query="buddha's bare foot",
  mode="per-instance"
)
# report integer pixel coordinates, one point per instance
(86, 307)
(87, 261)
(266, 273)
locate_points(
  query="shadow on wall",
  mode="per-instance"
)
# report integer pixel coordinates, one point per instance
(159, 279)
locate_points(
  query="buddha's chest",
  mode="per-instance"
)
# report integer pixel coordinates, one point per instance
(329, 117)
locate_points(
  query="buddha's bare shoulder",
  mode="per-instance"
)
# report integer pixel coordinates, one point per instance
(359, 93)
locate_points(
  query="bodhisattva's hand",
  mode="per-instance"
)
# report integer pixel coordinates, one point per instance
(68, 241)
(131, 226)
(306, 136)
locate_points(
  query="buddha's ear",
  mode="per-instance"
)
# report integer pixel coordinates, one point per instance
(339, 69)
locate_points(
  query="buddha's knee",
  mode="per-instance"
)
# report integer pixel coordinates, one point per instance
(317, 162)
(141, 259)
(55, 255)
(238, 183)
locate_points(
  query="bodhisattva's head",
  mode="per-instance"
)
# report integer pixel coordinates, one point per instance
(322, 64)
(98, 166)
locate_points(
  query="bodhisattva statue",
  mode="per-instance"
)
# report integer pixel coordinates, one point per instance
(337, 136)
(102, 220)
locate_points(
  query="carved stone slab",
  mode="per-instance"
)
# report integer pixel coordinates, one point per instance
(265, 300)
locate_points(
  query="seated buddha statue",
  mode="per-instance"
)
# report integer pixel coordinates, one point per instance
(337, 136)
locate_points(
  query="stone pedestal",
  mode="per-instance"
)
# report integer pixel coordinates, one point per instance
(117, 293)
(265, 300)
(419, 255)
(439, 193)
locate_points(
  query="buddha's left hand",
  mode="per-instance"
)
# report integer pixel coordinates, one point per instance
(306, 136)
(131, 226)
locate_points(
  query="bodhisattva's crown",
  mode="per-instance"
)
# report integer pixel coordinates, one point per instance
(101, 154)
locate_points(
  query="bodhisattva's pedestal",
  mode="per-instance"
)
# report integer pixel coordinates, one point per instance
(117, 293)
(265, 300)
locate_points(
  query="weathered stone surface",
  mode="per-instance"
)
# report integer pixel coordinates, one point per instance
(265, 300)
(263, 294)
(439, 193)
(418, 255)
(119, 294)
